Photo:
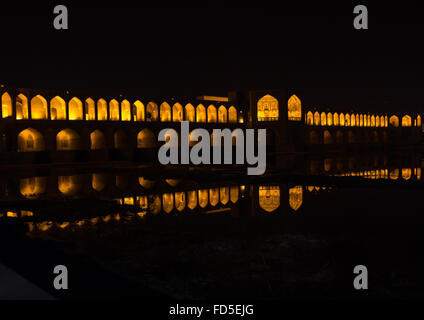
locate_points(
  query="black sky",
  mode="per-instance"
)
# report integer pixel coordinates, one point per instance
(170, 48)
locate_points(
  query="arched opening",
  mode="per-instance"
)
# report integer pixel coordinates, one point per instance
(342, 119)
(294, 107)
(339, 137)
(372, 121)
(125, 110)
(212, 113)
(232, 115)
(165, 112)
(152, 111)
(6, 105)
(328, 139)
(32, 187)
(177, 112)
(313, 137)
(406, 121)
(329, 119)
(98, 181)
(361, 120)
(406, 173)
(67, 139)
(97, 140)
(269, 198)
(309, 118)
(57, 109)
(21, 107)
(394, 121)
(377, 121)
(357, 121)
(317, 118)
(347, 120)
(30, 140)
(418, 121)
(101, 109)
(296, 197)
(200, 113)
(267, 108)
(120, 139)
(323, 119)
(222, 114)
(189, 112)
(38, 108)
(75, 109)
(113, 110)
(90, 109)
(146, 139)
(69, 185)
(335, 119)
(139, 114)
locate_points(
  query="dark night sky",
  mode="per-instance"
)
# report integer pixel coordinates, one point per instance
(181, 49)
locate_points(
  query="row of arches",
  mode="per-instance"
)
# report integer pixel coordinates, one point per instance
(339, 138)
(268, 108)
(57, 109)
(359, 120)
(393, 174)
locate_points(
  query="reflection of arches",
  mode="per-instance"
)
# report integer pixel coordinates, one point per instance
(200, 113)
(125, 110)
(6, 105)
(317, 118)
(97, 140)
(165, 112)
(189, 112)
(309, 118)
(152, 111)
(177, 112)
(146, 139)
(232, 115)
(224, 195)
(139, 111)
(90, 109)
(32, 187)
(214, 196)
(21, 107)
(211, 113)
(168, 202)
(313, 137)
(394, 121)
(38, 107)
(294, 107)
(295, 197)
(114, 110)
(145, 183)
(57, 109)
(30, 140)
(75, 109)
(328, 139)
(120, 139)
(234, 194)
(101, 109)
(269, 198)
(267, 107)
(203, 198)
(191, 199)
(67, 139)
(406, 121)
(222, 114)
(180, 201)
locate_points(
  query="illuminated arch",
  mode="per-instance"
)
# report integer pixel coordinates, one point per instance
(234, 194)
(38, 107)
(146, 139)
(168, 202)
(309, 118)
(200, 113)
(212, 114)
(323, 119)
(75, 109)
(21, 107)
(329, 119)
(406, 121)
(114, 110)
(232, 115)
(222, 114)
(67, 139)
(372, 121)
(98, 181)
(294, 108)
(6, 105)
(368, 124)
(386, 121)
(418, 121)
(97, 140)
(335, 119)
(354, 120)
(361, 120)
(317, 118)
(328, 139)
(90, 109)
(377, 121)
(30, 140)
(177, 112)
(152, 111)
(165, 112)
(189, 113)
(180, 201)
(203, 198)
(101, 109)
(139, 114)
(394, 121)
(224, 195)
(125, 110)
(347, 120)
(68, 185)
(57, 109)
(296, 197)
(214, 196)
(313, 137)
(191, 199)
(406, 173)
(32, 187)
(267, 107)
(269, 198)
(394, 174)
